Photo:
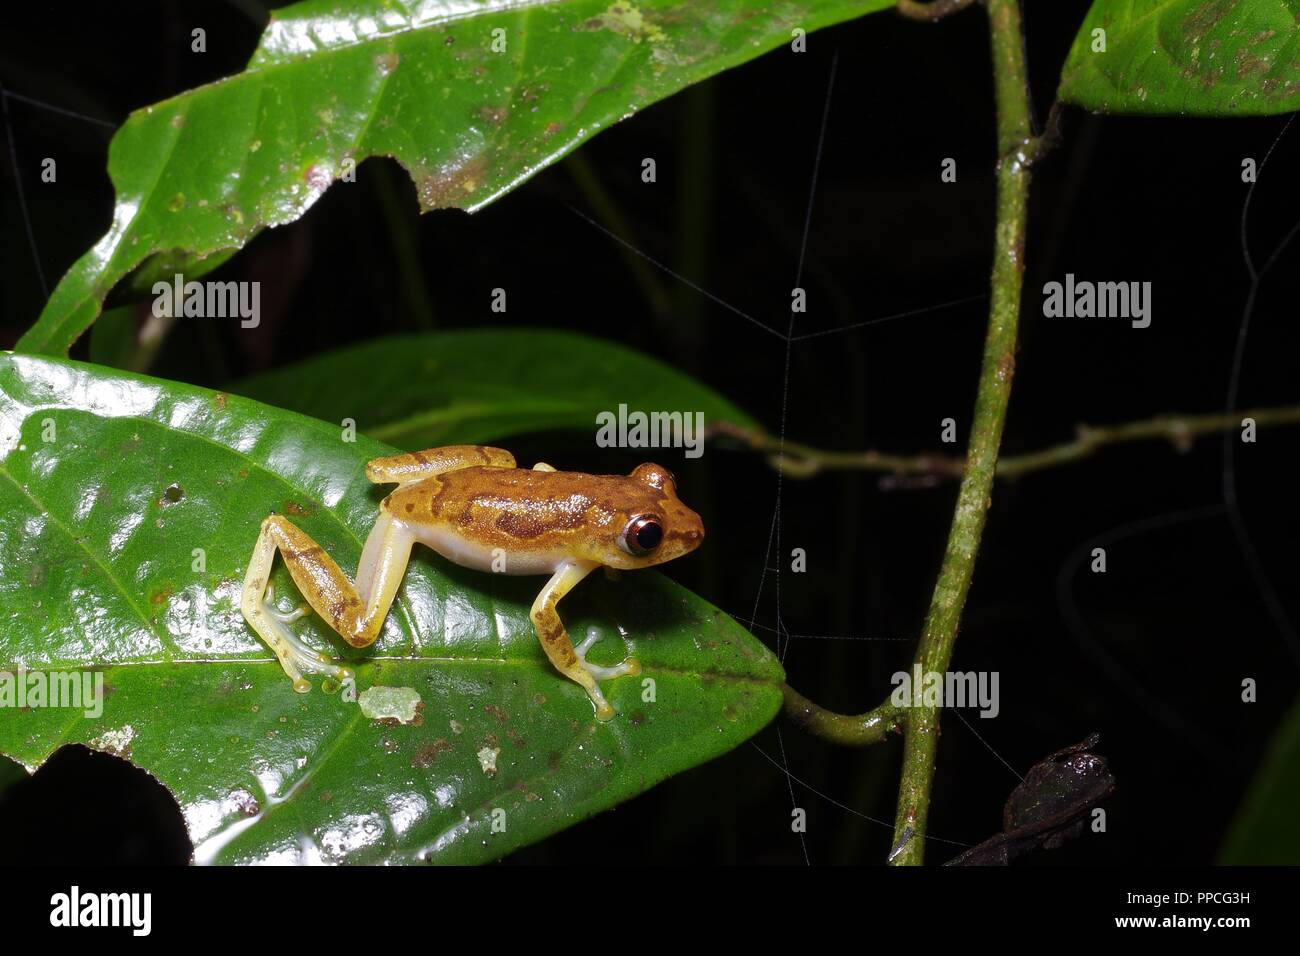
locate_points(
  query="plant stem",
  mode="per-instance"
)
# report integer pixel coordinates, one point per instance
(850, 730)
(973, 497)
(804, 461)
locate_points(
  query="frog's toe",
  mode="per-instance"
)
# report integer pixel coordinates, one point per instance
(629, 666)
(295, 656)
(288, 617)
(284, 617)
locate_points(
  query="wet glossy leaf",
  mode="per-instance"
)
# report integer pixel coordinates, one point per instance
(1266, 831)
(1197, 57)
(480, 386)
(128, 509)
(472, 99)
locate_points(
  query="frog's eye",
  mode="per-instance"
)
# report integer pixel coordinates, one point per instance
(642, 535)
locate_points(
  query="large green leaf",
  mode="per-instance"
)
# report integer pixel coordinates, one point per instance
(1266, 830)
(482, 385)
(109, 482)
(1198, 57)
(418, 80)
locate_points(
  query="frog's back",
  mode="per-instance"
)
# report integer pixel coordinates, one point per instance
(536, 518)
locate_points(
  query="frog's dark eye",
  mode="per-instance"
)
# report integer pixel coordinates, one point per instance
(642, 535)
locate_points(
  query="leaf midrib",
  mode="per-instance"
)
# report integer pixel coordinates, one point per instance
(527, 663)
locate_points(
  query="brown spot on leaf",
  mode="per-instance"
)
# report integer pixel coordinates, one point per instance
(448, 186)
(429, 752)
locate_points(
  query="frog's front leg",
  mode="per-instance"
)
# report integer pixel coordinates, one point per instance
(355, 612)
(555, 640)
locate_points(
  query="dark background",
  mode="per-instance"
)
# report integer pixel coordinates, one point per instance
(1151, 654)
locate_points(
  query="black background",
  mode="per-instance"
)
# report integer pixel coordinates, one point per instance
(1151, 655)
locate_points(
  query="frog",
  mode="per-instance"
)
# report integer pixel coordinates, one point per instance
(475, 507)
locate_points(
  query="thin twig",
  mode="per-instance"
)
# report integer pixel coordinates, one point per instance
(857, 730)
(804, 461)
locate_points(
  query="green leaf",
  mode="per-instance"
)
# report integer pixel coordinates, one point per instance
(1266, 831)
(418, 80)
(482, 385)
(1195, 57)
(128, 511)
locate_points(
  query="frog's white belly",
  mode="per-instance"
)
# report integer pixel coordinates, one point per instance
(482, 557)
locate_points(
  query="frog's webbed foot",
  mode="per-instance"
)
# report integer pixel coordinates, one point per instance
(629, 667)
(301, 659)
(295, 656)
(590, 675)
(284, 617)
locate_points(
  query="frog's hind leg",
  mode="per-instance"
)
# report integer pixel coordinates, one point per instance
(418, 465)
(295, 657)
(555, 640)
(355, 612)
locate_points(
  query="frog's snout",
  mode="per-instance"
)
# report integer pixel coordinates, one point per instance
(686, 531)
(692, 538)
